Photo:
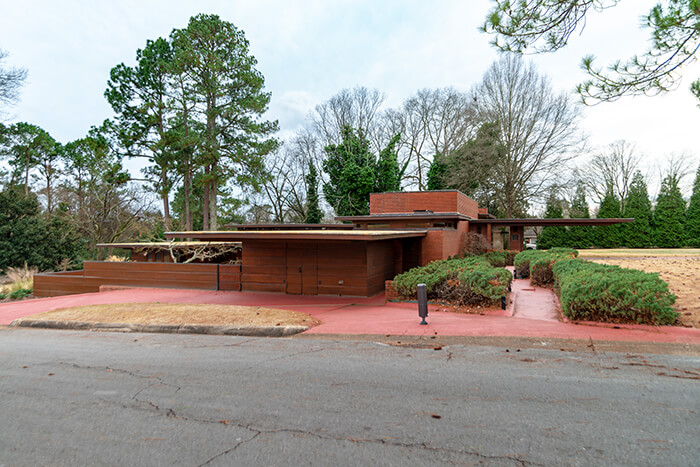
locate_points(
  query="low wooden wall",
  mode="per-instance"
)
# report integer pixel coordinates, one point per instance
(161, 275)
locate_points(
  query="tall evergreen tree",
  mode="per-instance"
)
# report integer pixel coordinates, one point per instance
(638, 206)
(437, 173)
(553, 235)
(139, 97)
(388, 172)
(228, 92)
(351, 170)
(24, 145)
(692, 215)
(579, 236)
(313, 212)
(473, 166)
(608, 236)
(354, 172)
(669, 214)
(27, 236)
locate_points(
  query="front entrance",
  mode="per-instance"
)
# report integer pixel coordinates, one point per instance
(302, 268)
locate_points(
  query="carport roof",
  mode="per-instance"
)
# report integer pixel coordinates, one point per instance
(545, 222)
(343, 235)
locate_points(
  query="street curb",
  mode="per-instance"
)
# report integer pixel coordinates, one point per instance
(250, 331)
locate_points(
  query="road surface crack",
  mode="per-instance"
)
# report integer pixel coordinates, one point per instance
(126, 372)
(235, 446)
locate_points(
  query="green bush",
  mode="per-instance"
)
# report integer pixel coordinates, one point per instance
(596, 292)
(500, 258)
(3, 296)
(471, 279)
(20, 294)
(537, 264)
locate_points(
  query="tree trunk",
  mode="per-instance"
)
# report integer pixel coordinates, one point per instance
(166, 202)
(212, 201)
(49, 204)
(186, 192)
(205, 199)
(26, 178)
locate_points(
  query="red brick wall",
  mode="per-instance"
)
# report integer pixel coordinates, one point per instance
(390, 294)
(436, 201)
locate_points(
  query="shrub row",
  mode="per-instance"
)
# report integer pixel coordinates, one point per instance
(500, 258)
(597, 292)
(463, 280)
(537, 264)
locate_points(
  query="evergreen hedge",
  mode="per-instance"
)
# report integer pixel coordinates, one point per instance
(464, 280)
(501, 258)
(597, 292)
(541, 260)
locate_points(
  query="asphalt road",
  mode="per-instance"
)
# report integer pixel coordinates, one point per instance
(81, 398)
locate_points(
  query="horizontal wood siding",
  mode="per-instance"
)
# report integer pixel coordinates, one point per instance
(380, 265)
(230, 277)
(136, 274)
(54, 284)
(168, 275)
(344, 262)
(264, 266)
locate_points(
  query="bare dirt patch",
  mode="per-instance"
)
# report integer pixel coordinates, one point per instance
(680, 271)
(181, 313)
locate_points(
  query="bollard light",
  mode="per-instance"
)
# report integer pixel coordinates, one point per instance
(503, 302)
(423, 302)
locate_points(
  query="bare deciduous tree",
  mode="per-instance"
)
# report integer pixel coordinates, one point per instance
(613, 167)
(434, 121)
(357, 108)
(11, 80)
(538, 127)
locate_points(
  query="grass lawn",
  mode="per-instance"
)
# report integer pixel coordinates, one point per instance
(180, 313)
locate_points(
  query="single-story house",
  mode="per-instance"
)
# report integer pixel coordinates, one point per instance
(402, 230)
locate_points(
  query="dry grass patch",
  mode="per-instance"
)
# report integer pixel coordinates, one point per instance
(638, 252)
(181, 313)
(682, 275)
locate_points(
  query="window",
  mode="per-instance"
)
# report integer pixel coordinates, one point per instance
(515, 237)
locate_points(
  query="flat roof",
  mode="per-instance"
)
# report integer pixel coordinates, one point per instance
(289, 226)
(162, 245)
(344, 235)
(404, 216)
(546, 222)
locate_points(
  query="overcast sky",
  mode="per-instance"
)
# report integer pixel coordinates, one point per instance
(309, 50)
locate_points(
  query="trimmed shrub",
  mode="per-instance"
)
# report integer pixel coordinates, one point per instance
(463, 280)
(596, 292)
(501, 258)
(542, 260)
(3, 296)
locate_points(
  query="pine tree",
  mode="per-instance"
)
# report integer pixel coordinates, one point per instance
(579, 236)
(692, 215)
(555, 235)
(313, 212)
(608, 236)
(638, 206)
(669, 215)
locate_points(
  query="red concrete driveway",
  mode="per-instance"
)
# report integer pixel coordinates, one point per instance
(352, 315)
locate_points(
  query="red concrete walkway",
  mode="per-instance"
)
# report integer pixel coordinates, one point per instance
(351, 315)
(532, 302)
